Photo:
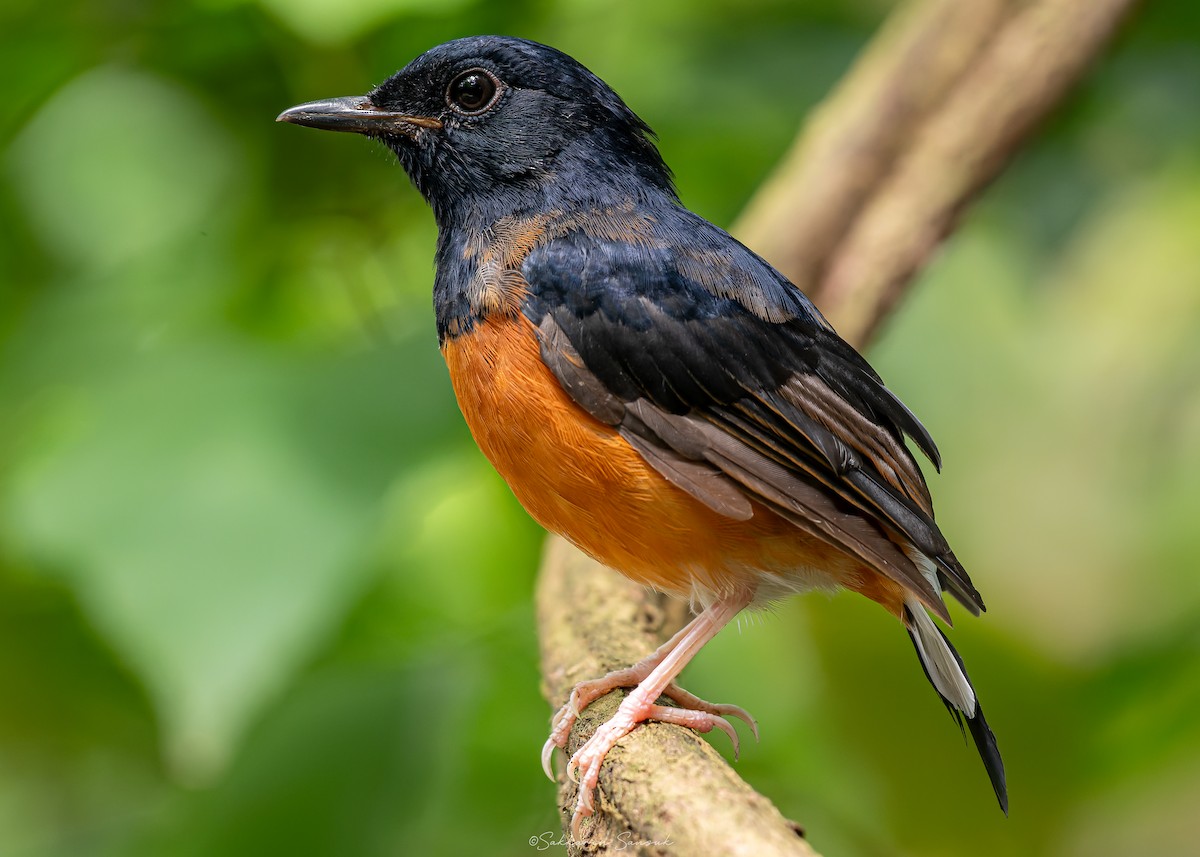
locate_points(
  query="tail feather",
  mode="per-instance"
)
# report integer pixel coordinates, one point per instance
(945, 671)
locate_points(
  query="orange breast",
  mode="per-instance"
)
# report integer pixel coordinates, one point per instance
(580, 479)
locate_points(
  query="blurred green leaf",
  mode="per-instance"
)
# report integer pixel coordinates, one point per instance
(192, 502)
(334, 22)
(117, 163)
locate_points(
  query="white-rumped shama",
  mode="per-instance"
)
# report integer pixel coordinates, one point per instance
(651, 389)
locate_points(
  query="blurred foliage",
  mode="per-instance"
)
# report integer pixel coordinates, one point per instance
(259, 593)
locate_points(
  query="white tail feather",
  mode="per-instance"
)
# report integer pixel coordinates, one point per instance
(924, 564)
(943, 668)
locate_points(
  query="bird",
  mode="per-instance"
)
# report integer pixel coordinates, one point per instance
(651, 389)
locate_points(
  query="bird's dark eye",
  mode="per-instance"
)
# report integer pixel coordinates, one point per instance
(472, 91)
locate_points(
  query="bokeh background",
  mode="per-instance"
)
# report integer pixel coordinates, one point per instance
(259, 593)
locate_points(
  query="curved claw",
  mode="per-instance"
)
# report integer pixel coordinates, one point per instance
(690, 701)
(727, 727)
(587, 779)
(548, 757)
(581, 812)
(740, 713)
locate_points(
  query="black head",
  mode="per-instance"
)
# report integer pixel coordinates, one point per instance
(490, 119)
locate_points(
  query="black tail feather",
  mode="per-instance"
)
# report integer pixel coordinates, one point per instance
(985, 742)
(981, 733)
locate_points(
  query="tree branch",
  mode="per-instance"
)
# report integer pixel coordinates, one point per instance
(933, 110)
(850, 142)
(1026, 70)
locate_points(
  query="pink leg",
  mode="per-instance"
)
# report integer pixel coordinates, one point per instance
(587, 692)
(655, 676)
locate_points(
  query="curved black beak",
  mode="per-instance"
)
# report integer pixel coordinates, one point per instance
(355, 113)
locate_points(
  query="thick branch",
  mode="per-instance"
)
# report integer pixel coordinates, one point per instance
(854, 139)
(1027, 69)
(932, 112)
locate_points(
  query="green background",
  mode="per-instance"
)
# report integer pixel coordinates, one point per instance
(259, 593)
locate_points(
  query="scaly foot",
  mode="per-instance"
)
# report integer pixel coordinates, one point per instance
(584, 766)
(587, 692)
(654, 676)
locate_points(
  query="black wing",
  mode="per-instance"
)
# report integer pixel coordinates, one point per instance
(729, 382)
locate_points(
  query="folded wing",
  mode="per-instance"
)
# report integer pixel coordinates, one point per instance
(729, 383)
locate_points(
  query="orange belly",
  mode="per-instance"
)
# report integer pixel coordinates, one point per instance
(577, 477)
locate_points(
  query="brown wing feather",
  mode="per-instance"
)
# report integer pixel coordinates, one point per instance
(723, 400)
(894, 462)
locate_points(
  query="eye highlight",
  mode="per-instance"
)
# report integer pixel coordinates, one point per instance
(473, 91)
